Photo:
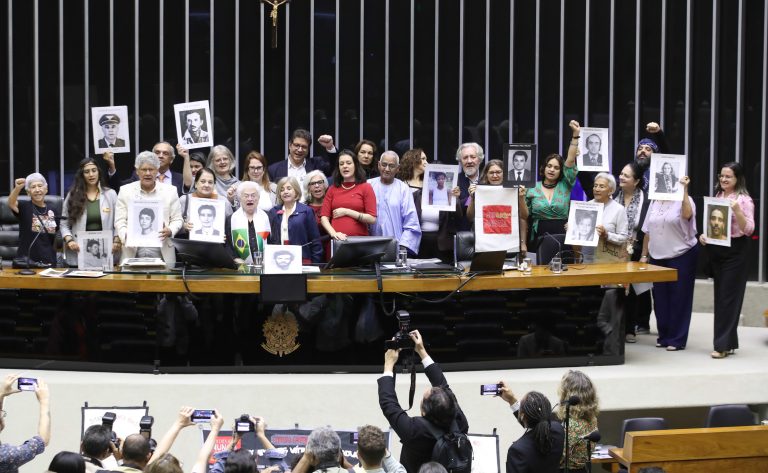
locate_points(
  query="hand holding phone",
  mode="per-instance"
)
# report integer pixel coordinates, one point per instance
(490, 389)
(201, 416)
(27, 384)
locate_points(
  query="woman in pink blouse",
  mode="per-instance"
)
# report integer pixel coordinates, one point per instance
(729, 264)
(670, 241)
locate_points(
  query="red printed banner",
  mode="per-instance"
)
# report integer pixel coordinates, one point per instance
(497, 219)
(222, 443)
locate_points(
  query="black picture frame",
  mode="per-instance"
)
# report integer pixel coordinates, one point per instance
(530, 170)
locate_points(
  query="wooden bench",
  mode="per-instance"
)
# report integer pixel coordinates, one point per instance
(721, 450)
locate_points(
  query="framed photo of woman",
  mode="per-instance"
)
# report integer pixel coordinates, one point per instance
(666, 170)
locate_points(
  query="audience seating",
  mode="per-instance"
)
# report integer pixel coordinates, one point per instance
(639, 424)
(730, 415)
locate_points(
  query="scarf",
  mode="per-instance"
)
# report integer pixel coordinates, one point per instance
(240, 238)
(633, 209)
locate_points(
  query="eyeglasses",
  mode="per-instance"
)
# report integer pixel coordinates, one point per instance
(316, 183)
(388, 165)
(297, 146)
(255, 168)
(495, 173)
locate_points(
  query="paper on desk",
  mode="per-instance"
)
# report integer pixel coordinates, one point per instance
(53, 273)
(601, 451)
(310, 269)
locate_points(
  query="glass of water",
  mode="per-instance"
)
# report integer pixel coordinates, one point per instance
(556, 265)
(258, 259)
(527, 266)
(402, 258)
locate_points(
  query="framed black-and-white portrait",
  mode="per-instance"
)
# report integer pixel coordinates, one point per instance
(594, 150)
(282, 259)
(194, 127)
(520, 165)
(110, 129)
(145, 220)
(207, 218)
(717, 221)
(583, 219)
(666, 170)
(95, 250)
(439, 181)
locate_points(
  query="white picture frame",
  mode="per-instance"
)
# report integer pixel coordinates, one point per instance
(282, 259)
(436, 195)
(194, 125)
(145, 220)
(110, 129)
(95, 250)
(583, 219)
(497, 222)
(718, 217)
(594, 150)
(667, 188)
(207, 217)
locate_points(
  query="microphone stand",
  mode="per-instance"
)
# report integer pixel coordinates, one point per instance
(567, 422)
(559, 254)
(593, 436)
(28, 271)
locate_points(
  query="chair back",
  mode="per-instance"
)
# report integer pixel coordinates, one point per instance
(730, 415)
(9, 224)
(463, 246)
(641, 423)
(548, 246)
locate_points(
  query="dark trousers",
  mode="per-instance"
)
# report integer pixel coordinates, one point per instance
(637, 310)
(673, 301)
(729, 269)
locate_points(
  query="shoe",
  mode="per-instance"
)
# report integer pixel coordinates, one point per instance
(630, 338)
(642, 331)
(732, 351)
(671, 348)
(718, 354)
(659, 345)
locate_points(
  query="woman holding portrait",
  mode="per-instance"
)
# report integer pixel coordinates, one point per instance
(550, 201)
(89, 206)
(294, 223)
(670, 241)
(204, 188)
(729, 264)
(350, 203)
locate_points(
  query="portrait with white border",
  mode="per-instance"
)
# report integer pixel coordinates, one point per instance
(282, 259)
(594, 150)
(95, 250)
(717, 221)
(666, 170)
(439, 181)
(207, 218)
(110, 129)
(520, 165)
(145, 220)
(583, 219)
(194, 127)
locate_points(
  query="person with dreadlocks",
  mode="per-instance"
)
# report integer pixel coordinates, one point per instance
(541, 446)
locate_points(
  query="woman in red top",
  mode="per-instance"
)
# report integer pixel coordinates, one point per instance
(350, 203)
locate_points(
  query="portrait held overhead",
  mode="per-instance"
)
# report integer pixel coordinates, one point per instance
(594, 150)
(667, 172)
(193, 124)
(520, 165)
(110, 129)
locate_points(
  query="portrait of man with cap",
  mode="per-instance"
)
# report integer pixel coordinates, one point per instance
(110, 125)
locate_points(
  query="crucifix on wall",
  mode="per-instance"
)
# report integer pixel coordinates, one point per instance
(273, 16)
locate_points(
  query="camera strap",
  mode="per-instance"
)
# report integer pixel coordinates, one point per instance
(410, 365)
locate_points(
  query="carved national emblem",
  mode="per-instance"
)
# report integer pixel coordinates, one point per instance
(280, 331)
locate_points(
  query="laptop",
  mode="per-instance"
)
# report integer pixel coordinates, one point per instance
(488, 261)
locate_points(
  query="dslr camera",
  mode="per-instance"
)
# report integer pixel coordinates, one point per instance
(401, 338)
(243, 424)
(108, 420)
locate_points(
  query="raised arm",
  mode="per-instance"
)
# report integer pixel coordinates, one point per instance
(573, 148)
(44, 423)
(13, 197)
(164, 445)
(201, 464)
(186, 170)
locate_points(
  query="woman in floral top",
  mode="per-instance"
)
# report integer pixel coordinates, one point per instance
(583, 417)
(549, 202)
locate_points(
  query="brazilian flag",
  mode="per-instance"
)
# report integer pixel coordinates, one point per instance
(242, 247)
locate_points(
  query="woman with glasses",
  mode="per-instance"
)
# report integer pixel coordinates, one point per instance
(255, 170)
(315, 186)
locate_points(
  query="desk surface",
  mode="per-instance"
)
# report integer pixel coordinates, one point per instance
(582, 275)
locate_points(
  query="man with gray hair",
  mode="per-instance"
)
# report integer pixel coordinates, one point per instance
(165, 155)
(149, 188)
(323, 453)
(395, 208)
(471, 158)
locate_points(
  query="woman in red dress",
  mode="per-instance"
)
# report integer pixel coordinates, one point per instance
(350, 203)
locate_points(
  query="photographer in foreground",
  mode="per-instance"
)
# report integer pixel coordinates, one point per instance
(96, 447)
(439, 408)
(240, 460)
(12, 457)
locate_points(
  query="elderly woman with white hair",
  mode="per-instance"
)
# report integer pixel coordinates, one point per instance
(37, 221)
(221, 160)
(147, 188)
(249, 227)
(323, 453)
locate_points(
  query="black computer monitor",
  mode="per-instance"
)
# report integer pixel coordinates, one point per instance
(360, 251)
(203, 254)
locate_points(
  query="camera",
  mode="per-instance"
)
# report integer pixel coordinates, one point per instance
(243, 424)
(27, 384)
(402, 339)
(145, 426)
(490, 389)
(108, 420)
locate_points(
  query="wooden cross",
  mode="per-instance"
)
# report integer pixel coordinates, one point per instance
(273, 15)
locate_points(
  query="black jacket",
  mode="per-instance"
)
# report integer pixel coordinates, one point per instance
(522, 456)
(413, 432)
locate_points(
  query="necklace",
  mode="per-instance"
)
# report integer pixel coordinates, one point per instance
(348, 188)
(548, 186)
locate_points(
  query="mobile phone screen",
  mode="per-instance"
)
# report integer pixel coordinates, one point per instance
(27, 384)
(202, 415)
(489, 389)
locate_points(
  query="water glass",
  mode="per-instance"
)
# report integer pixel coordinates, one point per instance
(527, 266)
(258, 259)
(556, 265)
(402, 258)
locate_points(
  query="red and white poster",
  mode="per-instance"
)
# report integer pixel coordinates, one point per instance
(496, 219)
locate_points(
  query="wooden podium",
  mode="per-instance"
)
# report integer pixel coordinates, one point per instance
(721, 450)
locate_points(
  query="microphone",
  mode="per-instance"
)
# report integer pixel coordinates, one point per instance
(593, 436)
(322, 239)
(559, 253)
(573, 400)
(26, 271)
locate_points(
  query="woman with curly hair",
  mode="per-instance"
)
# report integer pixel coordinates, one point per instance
(89, 206)
(583, 417)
